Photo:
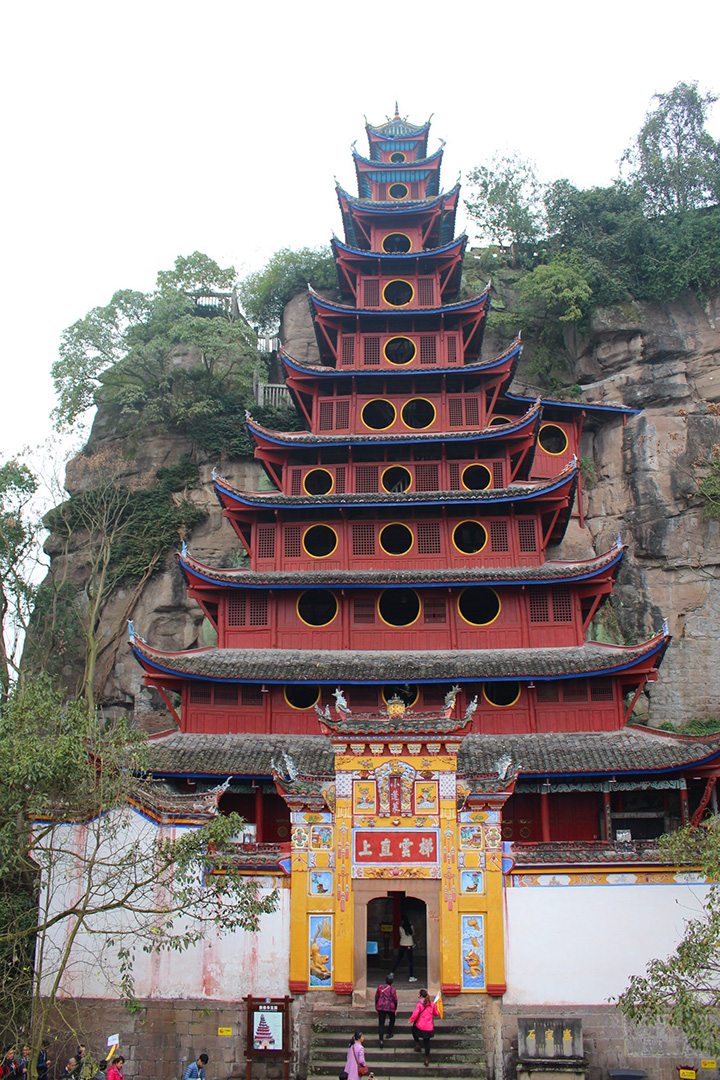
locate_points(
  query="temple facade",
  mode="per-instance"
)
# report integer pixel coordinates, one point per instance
(405, 698)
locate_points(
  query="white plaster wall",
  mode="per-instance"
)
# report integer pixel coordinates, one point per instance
(223, 967)
(579, 945)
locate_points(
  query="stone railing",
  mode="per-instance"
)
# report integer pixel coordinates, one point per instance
(566, 852)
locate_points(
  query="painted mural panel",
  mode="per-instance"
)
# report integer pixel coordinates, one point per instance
(320, 883)
(320, 929)
(472, 882)
(473, 952)
(364, 797)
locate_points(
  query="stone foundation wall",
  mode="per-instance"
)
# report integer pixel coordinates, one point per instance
(609, 1040)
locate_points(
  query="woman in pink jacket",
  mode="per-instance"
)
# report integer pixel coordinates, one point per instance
(422, 1022)
(355, 1058)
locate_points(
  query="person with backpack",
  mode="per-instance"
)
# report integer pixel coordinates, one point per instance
(386, 1003)
(422, 1022)
(406, 945)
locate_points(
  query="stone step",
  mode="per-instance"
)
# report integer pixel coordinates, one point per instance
(444, 1041)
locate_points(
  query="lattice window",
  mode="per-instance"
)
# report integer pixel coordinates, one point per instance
(363, 538)
(428, 349)
(363, 611)
(414, 190)
(371, 351)
(499, 536)
(547, 691)
(562, 604)
(236, 609)
(266, 542)
(472, 412)
(296, 482)
(258, 613)
(342, 415)
(455, 412)
(452, 349)
(347, 357)
(225, 694)
(201, 694)
(363, 697)
(498, 471)
(340, 480)
(427, 478)
(434, 609)
(575, 690)
(371, 292)
(433, 695)
(426, 291)
(325, 415)
(539, 606)
(251, 695)
(428, 537)
(366, 479)
(527, 535)
(454, 476)
(293, 548)
(382, 192)
(601, 690)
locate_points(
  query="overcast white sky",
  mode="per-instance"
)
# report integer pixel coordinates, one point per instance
(139, 131)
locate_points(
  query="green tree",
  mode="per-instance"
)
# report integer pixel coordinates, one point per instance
(684, 989)
(265, 293)
(506, 202)
(18, 552)
(674, 161)
(124, 888)
(561, 287)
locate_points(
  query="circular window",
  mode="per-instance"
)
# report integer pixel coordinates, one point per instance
(407, 693)
(396, 478)
(398, 293)
(317, 607)
(553, 439)
(378, 414)
(399, 607)
(396, 243)
(302, 696)
(400, 350)
(470, 537)
(479, 605)
(499, 421)
(418, 413)
(320, 541)
(397, 157)
(501, 694)
(396, 539)
(318, 482)
(476, 477)
(398, 191)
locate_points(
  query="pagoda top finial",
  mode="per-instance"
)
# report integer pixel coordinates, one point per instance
(397, 111)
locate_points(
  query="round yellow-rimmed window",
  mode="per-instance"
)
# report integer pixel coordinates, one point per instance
(553, 439)
(396, 243)
(478, 605)
(396, 538)
(398, 293)
(302, 696)
(396, 478)
(469, 537)
(317, 607)
(318, 482)
(408, 693)
(476, 477)
(378, 414)
(397, 157)
(399, 607)
(398, 191)
(501, 695)
(319, 541)
(400, 350)
(499, 421)
(418, 414)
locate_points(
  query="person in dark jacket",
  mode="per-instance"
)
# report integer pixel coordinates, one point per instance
(386, 1003)
(196, 1069)
(43, 1061)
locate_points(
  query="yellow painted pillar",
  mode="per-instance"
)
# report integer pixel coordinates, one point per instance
(299, 948)
(450, 974)
(344, 922)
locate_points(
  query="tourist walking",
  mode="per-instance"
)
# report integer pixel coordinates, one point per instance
(422, 1021)
(386, 1003)
(195, 1070)
(116, 1070)
(355, 1066)
(406, 945)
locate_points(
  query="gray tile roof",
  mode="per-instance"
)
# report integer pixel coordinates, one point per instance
(239, 755)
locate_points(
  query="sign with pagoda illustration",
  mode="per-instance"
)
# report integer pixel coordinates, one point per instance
(404, 697)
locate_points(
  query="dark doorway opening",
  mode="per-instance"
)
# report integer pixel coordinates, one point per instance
(385, 915)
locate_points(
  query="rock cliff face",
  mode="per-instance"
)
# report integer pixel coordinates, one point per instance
(641, 482)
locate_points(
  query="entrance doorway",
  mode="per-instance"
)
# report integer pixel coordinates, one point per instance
(385, 917)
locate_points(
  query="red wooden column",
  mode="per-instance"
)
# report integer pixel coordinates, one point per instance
(259, 812)
(545, 814)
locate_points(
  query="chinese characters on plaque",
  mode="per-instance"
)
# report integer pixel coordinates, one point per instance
(373, 847)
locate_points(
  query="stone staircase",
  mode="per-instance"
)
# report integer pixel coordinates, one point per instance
(456, 1051)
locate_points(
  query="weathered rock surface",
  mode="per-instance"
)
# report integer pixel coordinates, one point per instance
(663, 359)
